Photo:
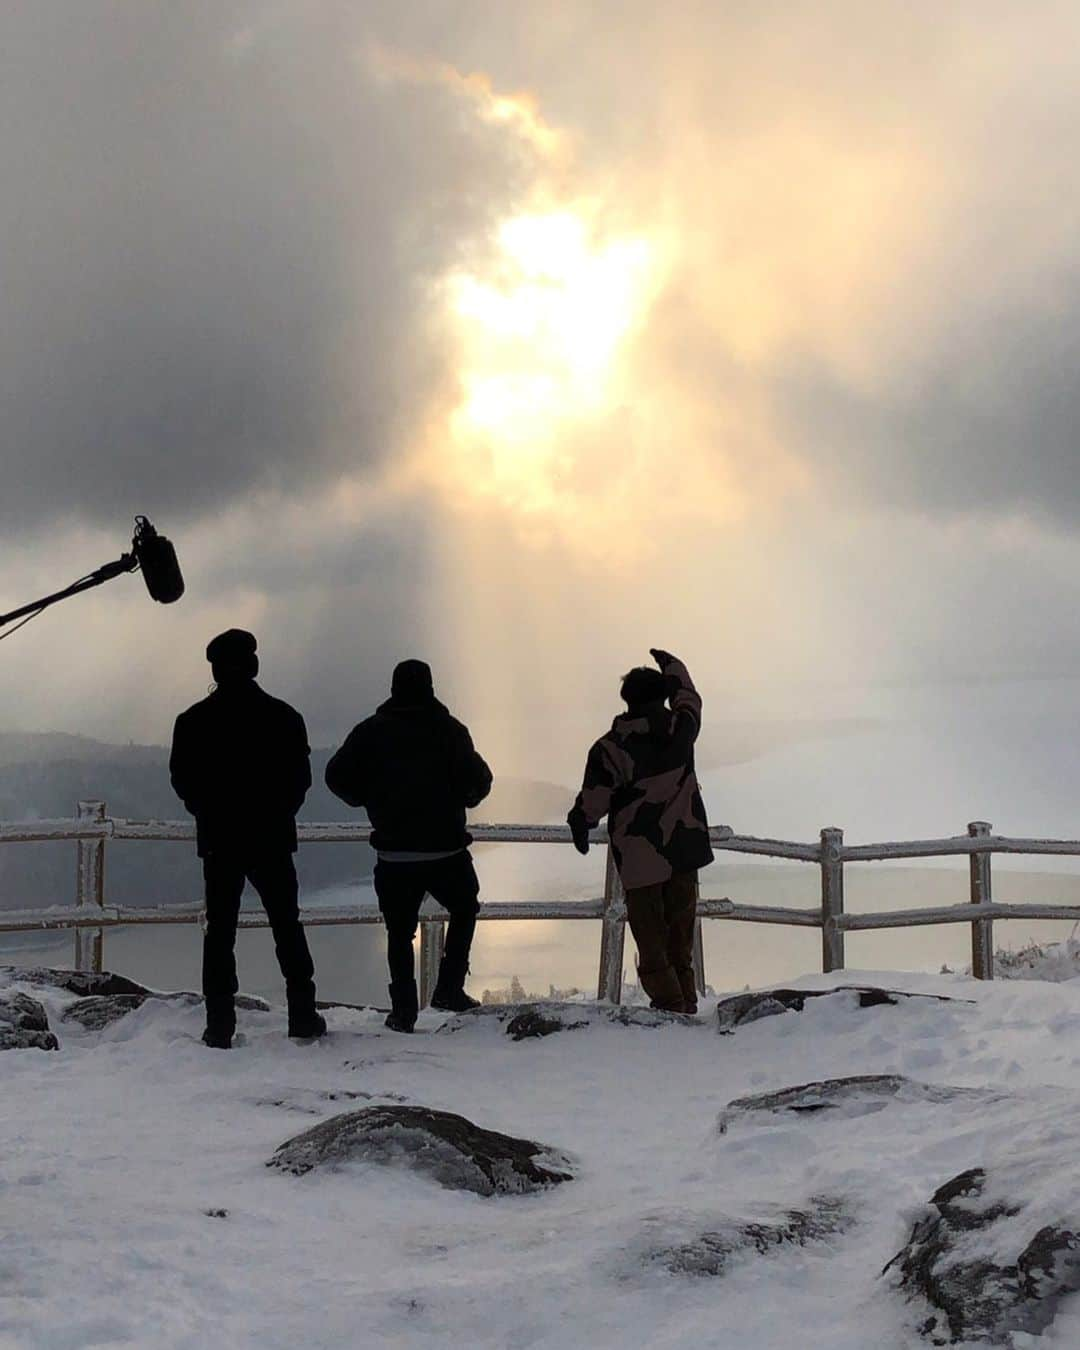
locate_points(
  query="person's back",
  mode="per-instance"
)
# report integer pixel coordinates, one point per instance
(413, 768)
(241, 765)
(640, 774)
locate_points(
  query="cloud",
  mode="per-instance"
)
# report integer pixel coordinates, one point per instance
(991, 428)
(218, 236)
(874, 212)
(230, 234)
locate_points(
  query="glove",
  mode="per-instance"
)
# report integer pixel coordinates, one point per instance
(579, 828)
(661, 657)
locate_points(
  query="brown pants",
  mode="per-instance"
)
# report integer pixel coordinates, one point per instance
(662, 921)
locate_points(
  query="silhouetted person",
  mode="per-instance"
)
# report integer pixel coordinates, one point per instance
(641, 776)
(241, 764)
(413, 768)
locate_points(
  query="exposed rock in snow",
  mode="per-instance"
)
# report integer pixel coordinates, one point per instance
(244, 1002)
(524, 1021)
(450, 1149)
(983, 1273)
(24, 1024)
(530, 1023)
(860, 1095)
(742, 1008)
(82, 982)
(101, 1010)
(90, 984)
(710, 1251)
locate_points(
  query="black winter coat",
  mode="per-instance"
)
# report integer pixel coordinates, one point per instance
(241, 764)
(414, 770)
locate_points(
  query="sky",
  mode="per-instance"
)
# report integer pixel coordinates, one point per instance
(524, 338)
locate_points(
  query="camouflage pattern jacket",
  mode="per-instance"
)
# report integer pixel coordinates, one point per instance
(641, 776)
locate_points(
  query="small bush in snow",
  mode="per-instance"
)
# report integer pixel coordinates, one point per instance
(1053, 961)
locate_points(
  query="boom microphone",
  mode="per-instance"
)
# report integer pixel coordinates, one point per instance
(157, 561)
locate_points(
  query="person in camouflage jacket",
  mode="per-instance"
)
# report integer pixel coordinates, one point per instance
(641, 776)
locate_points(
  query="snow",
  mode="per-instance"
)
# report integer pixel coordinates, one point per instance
(123, 1149)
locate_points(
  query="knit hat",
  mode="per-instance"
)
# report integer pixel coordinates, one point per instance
(411, 682)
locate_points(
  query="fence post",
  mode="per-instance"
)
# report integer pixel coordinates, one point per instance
(612, 934)
(832, 899)
(699, 948)
(432, 943)
(90, 890)
(982, 930)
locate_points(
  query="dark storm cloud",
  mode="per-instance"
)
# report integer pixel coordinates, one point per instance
(992, 424)
(215, 234)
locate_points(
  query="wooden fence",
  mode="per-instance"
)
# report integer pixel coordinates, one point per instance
(91, 915)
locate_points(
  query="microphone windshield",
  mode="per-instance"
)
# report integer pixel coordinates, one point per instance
(158, 562)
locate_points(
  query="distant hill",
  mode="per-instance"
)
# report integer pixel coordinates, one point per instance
(725, 743)
(43, 776)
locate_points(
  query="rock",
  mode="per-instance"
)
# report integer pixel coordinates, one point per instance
(24, 1024)
(531, 1023)
(860, 1095)
(324, 1003)
(525, 1021)
(740, 1009)
(82, 982)
(244, 1002)
(970, 1263)
(450, 1149)
(711, 1250)
(104, 984)
(101, 1010)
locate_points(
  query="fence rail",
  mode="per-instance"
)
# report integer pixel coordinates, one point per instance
(91, 915)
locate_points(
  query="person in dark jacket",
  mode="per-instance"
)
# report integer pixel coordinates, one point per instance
(413, 768)
(641, 776)
(241, 765)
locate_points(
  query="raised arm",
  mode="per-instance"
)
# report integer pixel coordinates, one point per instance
(684, 698)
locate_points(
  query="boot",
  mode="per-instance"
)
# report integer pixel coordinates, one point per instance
(217, 1038)
(404, 1006)
(453, 1000)
(450, 995)
(689, 989)
(308, 1025)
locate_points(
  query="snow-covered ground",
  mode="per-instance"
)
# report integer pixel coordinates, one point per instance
(120, 1150)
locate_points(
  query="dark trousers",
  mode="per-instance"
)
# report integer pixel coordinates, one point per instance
(661, 918)
(400, 888)
(274, 877)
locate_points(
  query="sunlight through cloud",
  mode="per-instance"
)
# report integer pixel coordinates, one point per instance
(541, 335)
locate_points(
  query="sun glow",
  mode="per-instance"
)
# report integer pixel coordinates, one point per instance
(542, 331)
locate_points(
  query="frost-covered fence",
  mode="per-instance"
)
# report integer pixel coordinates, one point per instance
(91, 914)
